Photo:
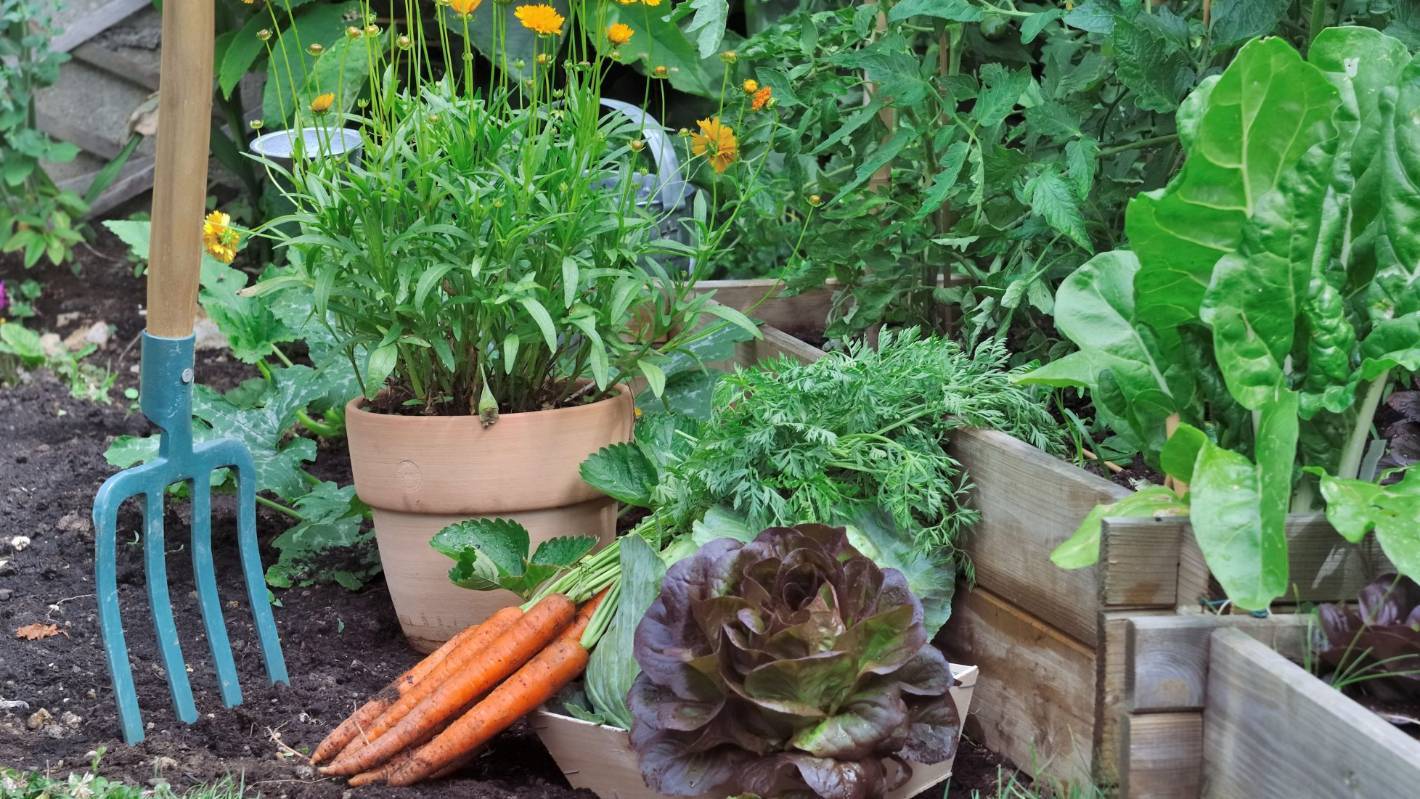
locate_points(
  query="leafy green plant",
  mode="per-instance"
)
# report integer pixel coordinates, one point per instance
(497, 553)
(22, 349)
(968, 155)
(327, 539)
(488, 253)
(789, 666)
(36, 217)
(1268, 300)
(855, 438)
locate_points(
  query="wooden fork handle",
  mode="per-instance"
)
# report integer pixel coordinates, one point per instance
(180, 179)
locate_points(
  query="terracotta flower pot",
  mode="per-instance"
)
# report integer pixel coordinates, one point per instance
(421, 473)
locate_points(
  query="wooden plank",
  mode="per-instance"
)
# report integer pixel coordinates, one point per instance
(89, 25)
(797, 313)
(1111, 664)
(1141, 558)
(1272, 729)
(1035, 699)
(774, 343)
(1324, 567)
(1161, 756)
(1166, 657)
(1030, 502)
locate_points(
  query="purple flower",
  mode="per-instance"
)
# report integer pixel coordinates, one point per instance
(4, 301)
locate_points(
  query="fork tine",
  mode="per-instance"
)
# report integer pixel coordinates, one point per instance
(208, 597)
(161, 606)
(251, 566)
(106, 505)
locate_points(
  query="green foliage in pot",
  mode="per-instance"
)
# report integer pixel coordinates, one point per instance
(489, 252)
(1268, 302)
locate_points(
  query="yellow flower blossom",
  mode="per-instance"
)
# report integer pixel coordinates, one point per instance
(716, 141)
(464, 7)
(541, 19)
(652, 3)
(322, 103)
(219, 238)
(761, 98)
(619, 34)
(751, 86)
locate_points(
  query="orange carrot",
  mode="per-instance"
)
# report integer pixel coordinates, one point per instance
(452, 663)
(536, 682)
(361, 719)
(480, 666)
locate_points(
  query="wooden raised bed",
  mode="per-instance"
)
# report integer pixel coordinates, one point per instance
(1217, 707)
(1053, 645)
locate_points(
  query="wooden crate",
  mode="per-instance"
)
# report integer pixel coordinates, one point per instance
(1217, 707)
(600, 758)
(1053, 645)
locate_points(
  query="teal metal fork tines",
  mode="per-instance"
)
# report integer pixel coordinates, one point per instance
(166, 399)
(179, 197)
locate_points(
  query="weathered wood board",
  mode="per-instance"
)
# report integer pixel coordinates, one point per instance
(1166, 665)
(1164, 753)
(1035, 699)
(1030, 502)
(1272, 729)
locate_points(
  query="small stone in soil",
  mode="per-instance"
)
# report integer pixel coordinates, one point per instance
(6, 593)
(38, 719)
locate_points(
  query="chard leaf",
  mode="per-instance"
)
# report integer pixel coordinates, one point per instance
(1266, 110)
(612, 668)
(1356, 507)
(1239, 508)
(1082, 548)
(1181, 452)
(1256, 295)
(1094, 308)
(930, 576)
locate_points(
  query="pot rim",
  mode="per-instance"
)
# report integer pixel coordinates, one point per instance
(356, 406)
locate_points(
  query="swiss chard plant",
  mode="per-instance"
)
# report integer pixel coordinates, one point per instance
(1267, 302)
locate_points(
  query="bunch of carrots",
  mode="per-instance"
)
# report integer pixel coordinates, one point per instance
(435, 717)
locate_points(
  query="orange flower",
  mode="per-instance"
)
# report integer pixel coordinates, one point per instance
(464, 7)
(715, 141)
(541, 19)
(761, 98)
(619, 34)
(322, 103)
(219, 238)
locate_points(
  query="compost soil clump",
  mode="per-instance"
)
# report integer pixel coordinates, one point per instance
(56, 701)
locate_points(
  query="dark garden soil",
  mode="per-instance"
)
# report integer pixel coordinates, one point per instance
(339, 646)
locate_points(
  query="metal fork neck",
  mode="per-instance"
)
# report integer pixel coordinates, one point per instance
(165, 391)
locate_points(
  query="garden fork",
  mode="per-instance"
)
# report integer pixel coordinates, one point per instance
(179, 195)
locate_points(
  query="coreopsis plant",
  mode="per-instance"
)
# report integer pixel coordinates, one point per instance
(494, 248)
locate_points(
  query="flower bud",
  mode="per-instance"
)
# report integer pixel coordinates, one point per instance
(638, 145)
(263, 34)
(315, 48)
(729, 56)
(354, 32)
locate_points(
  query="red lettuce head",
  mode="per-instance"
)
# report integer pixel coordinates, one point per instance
(788, 666)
